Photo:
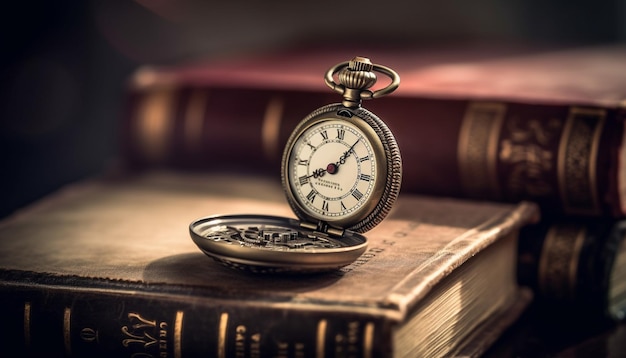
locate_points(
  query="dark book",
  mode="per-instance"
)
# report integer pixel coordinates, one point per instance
(506, 125)
(576, 269)
(576, 265)
(107, 268)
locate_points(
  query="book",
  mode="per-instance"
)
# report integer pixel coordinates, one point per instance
(506, 125)
(107, 268)
(576, 265)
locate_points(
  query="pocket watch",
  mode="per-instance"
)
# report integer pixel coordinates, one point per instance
(341, 172)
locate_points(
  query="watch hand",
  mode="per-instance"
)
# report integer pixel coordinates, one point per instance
(346, 154)
(332, 168)
(318, 173)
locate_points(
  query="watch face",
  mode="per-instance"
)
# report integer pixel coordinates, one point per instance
(335, 169)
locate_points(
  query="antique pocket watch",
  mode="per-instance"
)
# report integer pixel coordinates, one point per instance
(341, 171)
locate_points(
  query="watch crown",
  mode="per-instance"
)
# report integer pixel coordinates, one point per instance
(356, 78)
(360, 64)
(358, 75)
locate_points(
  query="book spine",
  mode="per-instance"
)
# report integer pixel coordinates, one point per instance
(576, 267)
(565, 157)
(79, 323)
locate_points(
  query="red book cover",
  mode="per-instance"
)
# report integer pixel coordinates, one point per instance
(495, 124)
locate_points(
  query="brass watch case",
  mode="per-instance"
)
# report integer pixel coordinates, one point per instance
(388, 165)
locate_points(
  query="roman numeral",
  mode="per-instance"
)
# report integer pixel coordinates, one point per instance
(343, 207)
(341, 133)
(324, 135)
(311, 145)
(325, 205)
(357, 194)
(304, 179)
(364, 159)
(365, 177)
(304, 162)
(311, 195)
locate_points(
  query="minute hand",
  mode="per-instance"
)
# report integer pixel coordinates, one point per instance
(346, 154)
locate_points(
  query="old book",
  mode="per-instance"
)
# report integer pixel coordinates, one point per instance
(512, 125)
(576, 265)
(107, 268)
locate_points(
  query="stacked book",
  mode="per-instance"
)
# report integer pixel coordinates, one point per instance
(513, 187)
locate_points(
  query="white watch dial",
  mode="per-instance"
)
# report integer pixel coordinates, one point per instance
(332, 169)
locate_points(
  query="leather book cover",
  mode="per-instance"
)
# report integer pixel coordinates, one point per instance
(511, 124)
(107, 267)
(576, 265)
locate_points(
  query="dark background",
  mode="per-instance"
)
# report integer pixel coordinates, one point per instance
(64, 64)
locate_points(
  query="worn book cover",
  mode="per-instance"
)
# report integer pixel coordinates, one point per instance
(107, 267)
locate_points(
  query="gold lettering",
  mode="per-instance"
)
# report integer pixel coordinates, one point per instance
(145, 338)
(299, 350)
(89, 334)
(144, 322)
(339, 342)
(255, 345)
(240, 341)
(163, 339)
(143, 332)
(357, 340)
(283, 350)
(354, 328)
(353, 332)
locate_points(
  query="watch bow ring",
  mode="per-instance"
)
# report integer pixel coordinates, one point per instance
(358, 74)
